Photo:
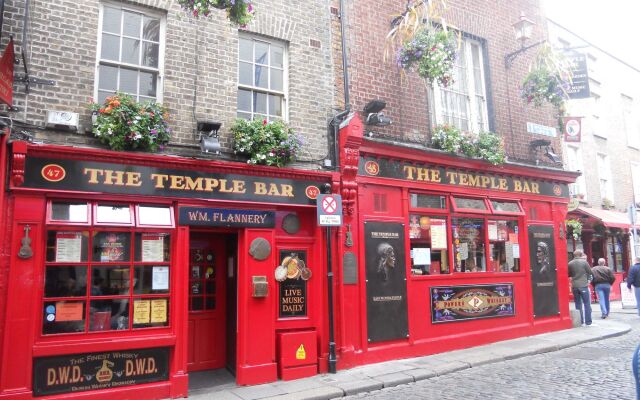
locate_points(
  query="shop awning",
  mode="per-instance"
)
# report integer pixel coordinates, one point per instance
(611, 219)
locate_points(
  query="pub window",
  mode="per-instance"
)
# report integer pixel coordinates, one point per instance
(102, 278)
(468, 238)
(429, 250)
(428, 201)
(505, 207)
(67, 211)
(504, 246)
(470, 204)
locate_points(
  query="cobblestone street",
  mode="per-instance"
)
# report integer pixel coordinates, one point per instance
(595, 370)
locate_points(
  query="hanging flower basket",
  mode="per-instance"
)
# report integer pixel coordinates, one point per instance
(124, 124)
(487, 146)
(240, 12)
(432, 54)
(266, 143)
(542, 85)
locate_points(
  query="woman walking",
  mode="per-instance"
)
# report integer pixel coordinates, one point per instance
(603, 278)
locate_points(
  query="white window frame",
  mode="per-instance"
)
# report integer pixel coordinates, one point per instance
(630, 122)
(472, 116)
(604, 174)
(574, 162)
(161, 48)
(635, 181)
(252, 88)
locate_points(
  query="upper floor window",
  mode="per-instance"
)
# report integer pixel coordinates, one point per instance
(574, 163)
(635, 177)
(630, 122)
(262, 76)
(464, 102)
(604, 176)
(130, 53)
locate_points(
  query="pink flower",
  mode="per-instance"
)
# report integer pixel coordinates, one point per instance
(264, 122)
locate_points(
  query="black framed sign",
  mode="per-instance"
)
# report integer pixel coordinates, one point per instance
(93, 371)
(544, 277)
(460, 303)
(386, 281)
(292, 299)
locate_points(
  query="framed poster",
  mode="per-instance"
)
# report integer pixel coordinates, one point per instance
(544, 277)
(386, 281)
(292, 299)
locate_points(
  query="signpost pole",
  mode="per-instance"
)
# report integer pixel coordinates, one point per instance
(332, 343)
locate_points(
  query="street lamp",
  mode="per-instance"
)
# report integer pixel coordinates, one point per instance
(523, 30)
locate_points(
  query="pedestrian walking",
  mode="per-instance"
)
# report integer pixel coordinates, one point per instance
(603, 278)
(633, 279)
(580, 276)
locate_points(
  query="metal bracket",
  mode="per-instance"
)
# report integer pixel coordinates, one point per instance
(32, 80)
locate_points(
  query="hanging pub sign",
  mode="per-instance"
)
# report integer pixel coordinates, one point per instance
(293, 289)
(386, 281)
(572, 127)
(104, 177)
(579, 86)
(544, 277)
(428, 173)
(459, 303)
(93, 371)
(6, 74)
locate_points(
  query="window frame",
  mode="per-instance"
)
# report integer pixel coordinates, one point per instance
(139, 68)
(456, 209)
(574, 154)
(133, 264)
(606, 170)
(435, 92)
(257, 89)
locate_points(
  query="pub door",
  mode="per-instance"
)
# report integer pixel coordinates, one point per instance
(207, 300)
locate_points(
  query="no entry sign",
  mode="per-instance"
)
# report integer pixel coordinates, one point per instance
(329, 210)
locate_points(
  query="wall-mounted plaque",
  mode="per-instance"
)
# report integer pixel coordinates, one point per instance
(349, 268)
(260, 249)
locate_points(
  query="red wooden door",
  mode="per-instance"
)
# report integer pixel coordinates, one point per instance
(207, 298)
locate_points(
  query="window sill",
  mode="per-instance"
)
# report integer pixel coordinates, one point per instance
(84, 343)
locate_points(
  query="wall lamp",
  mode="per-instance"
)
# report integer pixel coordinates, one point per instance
(535, 145)
(374, 114)
(523, 30)
(208, 133)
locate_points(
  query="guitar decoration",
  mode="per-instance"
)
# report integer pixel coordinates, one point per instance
(349, 237)
(25, 244)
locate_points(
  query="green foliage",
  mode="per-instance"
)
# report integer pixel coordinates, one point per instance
(240, 12)
(267, 143)
(124, 124)
(487, 146)
(575, 227)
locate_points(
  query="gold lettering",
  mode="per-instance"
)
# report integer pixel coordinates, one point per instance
(463, 179)
(191, 184)
(223, 186)
(408, 171)
(535, 188)
(260, 188)
(452, 177)
(435, 176)
(238, 187)
(423, 174)
(177, 182)
(503, 184)
(133, 179)
(474, 180)
(93, 174)
(485, 181)
(494, 183)
(517, 185)
(160, 180)
(287, 190)
(113, 177)
(210, 184)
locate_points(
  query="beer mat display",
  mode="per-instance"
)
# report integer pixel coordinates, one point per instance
(459, 303)
(94, 371)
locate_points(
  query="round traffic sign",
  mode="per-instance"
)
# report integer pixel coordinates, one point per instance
(329, 205)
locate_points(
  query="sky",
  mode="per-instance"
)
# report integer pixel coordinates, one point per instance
(612, 25)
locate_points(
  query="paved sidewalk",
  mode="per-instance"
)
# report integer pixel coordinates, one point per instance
(398, 372)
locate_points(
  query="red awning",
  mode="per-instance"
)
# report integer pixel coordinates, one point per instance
(611, 219)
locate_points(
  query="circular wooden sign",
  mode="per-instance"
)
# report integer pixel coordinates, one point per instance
(291, 224)
(260, 249)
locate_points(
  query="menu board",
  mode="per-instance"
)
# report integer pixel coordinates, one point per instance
(438, 234)
(141, 311)
(492, 228)
(152, 248)
(158, 311)
(160, 278)
(68, 246)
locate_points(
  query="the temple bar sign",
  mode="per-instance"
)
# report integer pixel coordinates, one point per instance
(458, 177)
(103, 177)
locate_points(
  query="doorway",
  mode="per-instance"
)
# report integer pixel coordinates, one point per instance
(212, 306)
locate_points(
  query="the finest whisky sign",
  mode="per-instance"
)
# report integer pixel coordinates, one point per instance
(93, 371)
(427, 173)
(103, 177)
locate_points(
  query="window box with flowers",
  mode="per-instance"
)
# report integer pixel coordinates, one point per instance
(124, 124)
(240, 12)
(265, 143)
(487, 146)
(574, 227)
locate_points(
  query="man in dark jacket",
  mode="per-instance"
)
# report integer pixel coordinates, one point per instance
(633, 279)
(580, 276)
(603, 278)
